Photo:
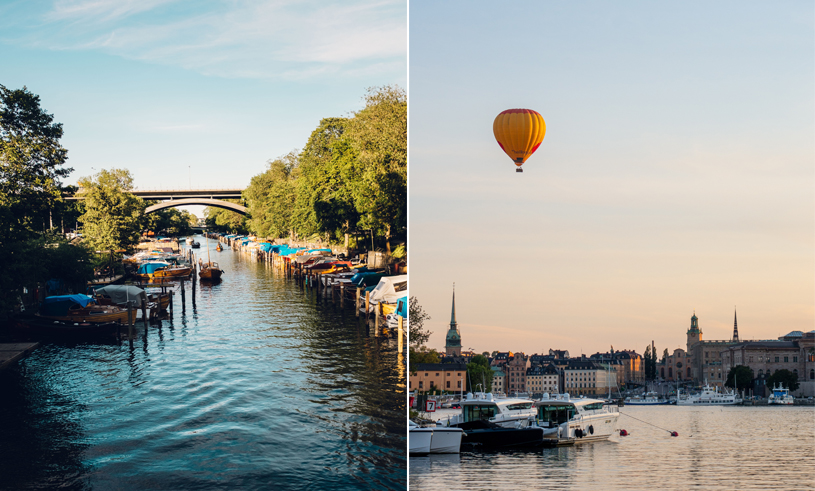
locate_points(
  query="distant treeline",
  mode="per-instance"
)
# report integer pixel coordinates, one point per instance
(348, 181)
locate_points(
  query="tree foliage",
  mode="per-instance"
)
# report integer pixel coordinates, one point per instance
(739, 377)
(783, 378)
(31, 160)
(350, 177)
(170, 221)
(222, 220)
(417, 337)
(113, 216)
(479, 374)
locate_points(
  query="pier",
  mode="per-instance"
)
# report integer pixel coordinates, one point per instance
(11, 352)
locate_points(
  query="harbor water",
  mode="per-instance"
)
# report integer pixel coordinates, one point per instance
(745, 448)
(257, 385)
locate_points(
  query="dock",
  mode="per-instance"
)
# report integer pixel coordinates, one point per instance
(11, 352)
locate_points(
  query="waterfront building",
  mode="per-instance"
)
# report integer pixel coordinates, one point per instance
(630, 363)
(587, 377)
(498, 378)
(438, 376)
(794, 352)
(501, 358)
(453, 345)
(705, 356)
(542, 378)
(515, 370)
(677, 367)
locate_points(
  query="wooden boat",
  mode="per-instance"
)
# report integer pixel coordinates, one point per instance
(195, 244)
(80, 308)
(172, 272)
(40, 326)
(210, 271)
(219, 247)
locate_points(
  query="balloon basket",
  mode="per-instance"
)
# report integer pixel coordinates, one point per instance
(519, 170)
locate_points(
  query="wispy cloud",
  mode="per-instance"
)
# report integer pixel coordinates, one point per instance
(266, 39)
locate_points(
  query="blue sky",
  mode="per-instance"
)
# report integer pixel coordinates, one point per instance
(676, 173)
(198, 93)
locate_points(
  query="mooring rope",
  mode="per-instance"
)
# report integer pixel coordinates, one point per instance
(646, 422)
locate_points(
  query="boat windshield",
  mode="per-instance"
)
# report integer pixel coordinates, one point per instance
(522, 405)
(593, 406)
(555, 414)
(478, 412)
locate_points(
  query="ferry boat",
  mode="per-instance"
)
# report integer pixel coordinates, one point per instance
(781, 396)
(710, 396)
(649, 399)
(580, 419)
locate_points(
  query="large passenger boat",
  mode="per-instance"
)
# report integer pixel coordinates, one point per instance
(710, 396)
(581, 419)
(649, 399)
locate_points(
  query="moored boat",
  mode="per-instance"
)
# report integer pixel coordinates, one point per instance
(80, 308)
(649, 399)
(210, 271)
(709, 396)
(581, 419)
(419, 439)
(780, 396)
(41, 326)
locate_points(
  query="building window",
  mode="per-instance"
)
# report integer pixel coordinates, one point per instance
(812, 374)
(421, 384)
(459, 383)
(795, 359)
(786, 359)
(776, 359)
(448, 384)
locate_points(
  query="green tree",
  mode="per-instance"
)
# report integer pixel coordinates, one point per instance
(170, 221)
(221, 220)
(113, 216)
(270, 198)
(647, 362)
(378, 134)
(417, 337)
(739, 377)
(784, 378)
(479, 374)
(31, 160)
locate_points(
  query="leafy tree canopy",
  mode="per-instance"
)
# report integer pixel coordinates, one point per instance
(739, 376)
(113, 216)
(31, 160)
(784, 378)
(221, 220)
(479, 374)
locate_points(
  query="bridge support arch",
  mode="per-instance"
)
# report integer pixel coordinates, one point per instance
(197, 201)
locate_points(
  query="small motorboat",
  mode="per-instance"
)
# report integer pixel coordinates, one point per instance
(219, 247)
(195, 244)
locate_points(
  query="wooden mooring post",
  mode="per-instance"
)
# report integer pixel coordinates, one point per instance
(183, 297)
(342, 295)
(400, 331)
(376, 320)
(130, 319)
(356, 301)
(171, 303)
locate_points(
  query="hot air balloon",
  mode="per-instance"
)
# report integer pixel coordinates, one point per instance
(519, 132)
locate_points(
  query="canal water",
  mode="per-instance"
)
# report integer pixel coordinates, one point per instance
(258, 385)
(744, 448)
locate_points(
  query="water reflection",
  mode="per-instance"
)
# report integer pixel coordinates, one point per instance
(256, 385)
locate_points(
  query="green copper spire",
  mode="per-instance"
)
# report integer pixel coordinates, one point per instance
(453, 322)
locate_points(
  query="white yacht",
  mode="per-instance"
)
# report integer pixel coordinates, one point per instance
(649, 399)
(581, 419)
(780, 396)
(507, 413)
(710, 396)
(419, 439)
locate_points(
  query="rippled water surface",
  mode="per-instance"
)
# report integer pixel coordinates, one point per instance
(257, 386)
(727, 448)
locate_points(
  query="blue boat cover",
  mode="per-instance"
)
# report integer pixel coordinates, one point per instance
(402, 307)
(318, 250)
(59, 304)
(150, 268)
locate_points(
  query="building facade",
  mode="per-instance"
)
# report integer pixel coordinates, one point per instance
(542, 379)
(515, 370)
(587, 377)
(705, 356)
(438, 377)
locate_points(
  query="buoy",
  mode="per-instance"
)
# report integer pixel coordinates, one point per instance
(673, 433)
(623, 433)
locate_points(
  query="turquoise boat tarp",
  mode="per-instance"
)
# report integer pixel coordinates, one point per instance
(59, 304)
(150, 268)
(402, 307)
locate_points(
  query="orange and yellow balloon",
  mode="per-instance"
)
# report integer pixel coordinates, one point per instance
(519, 132)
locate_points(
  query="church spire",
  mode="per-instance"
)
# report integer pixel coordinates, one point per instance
(735, 325)
(453, 323)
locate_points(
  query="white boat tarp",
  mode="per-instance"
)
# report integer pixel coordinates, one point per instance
(388, 290)
(121, 294)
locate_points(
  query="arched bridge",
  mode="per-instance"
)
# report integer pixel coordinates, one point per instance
(226, 205)
(182, 197)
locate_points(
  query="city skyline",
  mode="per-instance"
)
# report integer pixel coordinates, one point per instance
(676, 173)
